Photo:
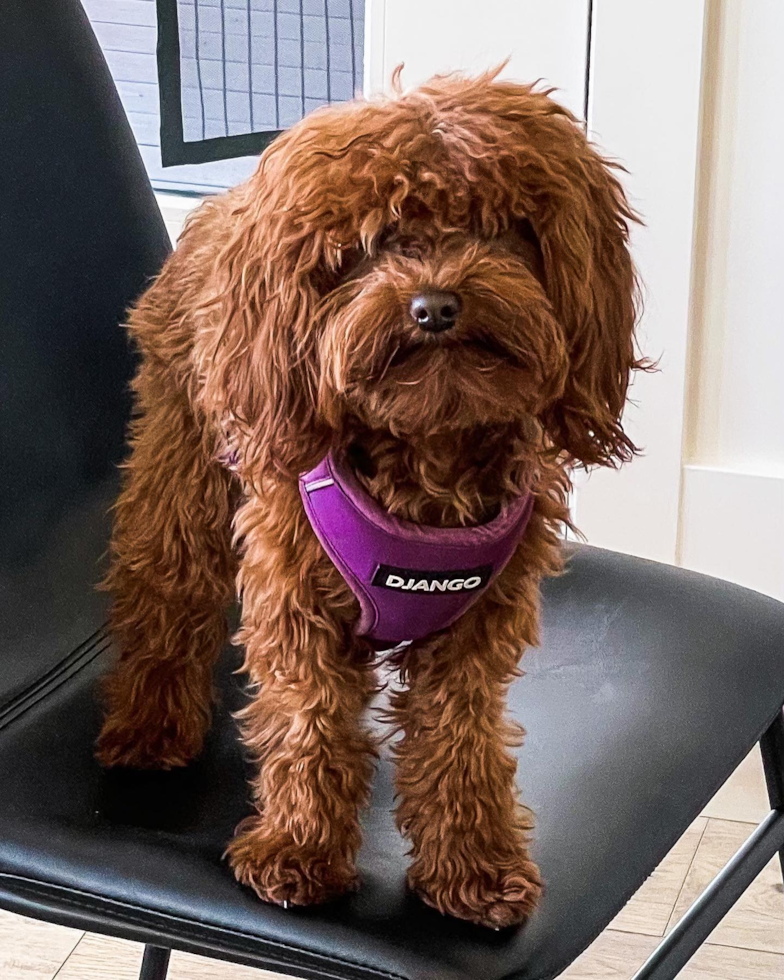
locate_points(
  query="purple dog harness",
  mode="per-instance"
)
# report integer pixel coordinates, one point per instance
(410, 580)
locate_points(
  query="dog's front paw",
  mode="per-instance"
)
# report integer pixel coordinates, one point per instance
(147, 746)
(493, 898)
(283, 872)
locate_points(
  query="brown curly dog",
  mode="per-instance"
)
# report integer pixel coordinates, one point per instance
(289, 322)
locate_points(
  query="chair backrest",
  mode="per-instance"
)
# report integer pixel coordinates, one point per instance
(80, 235)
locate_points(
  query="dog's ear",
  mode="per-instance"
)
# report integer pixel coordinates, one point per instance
(582, 222)
(259, 365)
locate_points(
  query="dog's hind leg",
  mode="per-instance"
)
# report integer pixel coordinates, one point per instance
(458, 802)
(304, 724)
(171, 578)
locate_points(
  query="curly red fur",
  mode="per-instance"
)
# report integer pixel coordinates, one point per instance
(279, 329)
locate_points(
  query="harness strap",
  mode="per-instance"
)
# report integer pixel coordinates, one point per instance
(410, 580)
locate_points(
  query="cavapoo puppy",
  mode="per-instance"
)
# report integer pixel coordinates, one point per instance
(365, 376)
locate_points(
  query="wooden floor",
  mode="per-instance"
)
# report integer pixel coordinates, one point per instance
(748, 945)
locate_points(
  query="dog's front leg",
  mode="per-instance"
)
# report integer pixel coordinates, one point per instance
(456, 780)
(304, 724)
(171, 579)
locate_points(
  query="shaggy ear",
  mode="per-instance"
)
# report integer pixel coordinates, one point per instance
(591, 283)
(259, 358)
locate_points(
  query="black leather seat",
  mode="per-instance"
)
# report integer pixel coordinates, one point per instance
(650, 686)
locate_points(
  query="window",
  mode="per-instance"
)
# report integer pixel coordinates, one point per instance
(246, 66)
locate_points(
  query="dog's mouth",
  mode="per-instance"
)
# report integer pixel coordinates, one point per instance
(487, 347)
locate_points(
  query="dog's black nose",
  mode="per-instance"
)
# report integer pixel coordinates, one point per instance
(435, 310)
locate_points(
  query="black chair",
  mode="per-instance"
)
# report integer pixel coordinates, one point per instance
(650, 686)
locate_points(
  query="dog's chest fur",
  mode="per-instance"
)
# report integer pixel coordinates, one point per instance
(450, 479)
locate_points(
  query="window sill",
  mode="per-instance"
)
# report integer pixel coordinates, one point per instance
(175, 208)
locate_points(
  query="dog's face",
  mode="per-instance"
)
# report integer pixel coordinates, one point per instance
(441, 327)
(452, 257)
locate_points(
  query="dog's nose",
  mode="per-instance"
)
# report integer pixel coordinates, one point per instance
(435, 310)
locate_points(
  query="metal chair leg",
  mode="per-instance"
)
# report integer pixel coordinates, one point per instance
(678, 946)
(772, 747)
(675, 950)
(155, 964)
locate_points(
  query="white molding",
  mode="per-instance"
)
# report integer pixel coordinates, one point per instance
(732, 526)
(375, 34)
(175, 208)
(644, 109)
(736, 397)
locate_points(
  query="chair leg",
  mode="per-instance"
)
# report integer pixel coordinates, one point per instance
(678, 946)
(155, 964)
(772, 747)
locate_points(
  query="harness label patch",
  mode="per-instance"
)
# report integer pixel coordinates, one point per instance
(432, 583)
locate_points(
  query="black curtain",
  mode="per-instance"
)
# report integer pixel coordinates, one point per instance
(233, 73)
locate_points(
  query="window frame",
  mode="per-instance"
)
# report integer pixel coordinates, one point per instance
(175, 150)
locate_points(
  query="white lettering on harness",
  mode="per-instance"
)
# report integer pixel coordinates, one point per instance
(433, 585)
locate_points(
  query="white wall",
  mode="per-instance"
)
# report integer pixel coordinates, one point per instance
(644, 108)
(542, 40)
(732, 520)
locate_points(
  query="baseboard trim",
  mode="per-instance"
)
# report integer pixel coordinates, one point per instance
(732, 526)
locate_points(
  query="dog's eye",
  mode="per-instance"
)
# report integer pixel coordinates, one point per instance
(391, 241)
(527, 245)
(349, 258)
(521, 237)
(526, 231)
(409, 250)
